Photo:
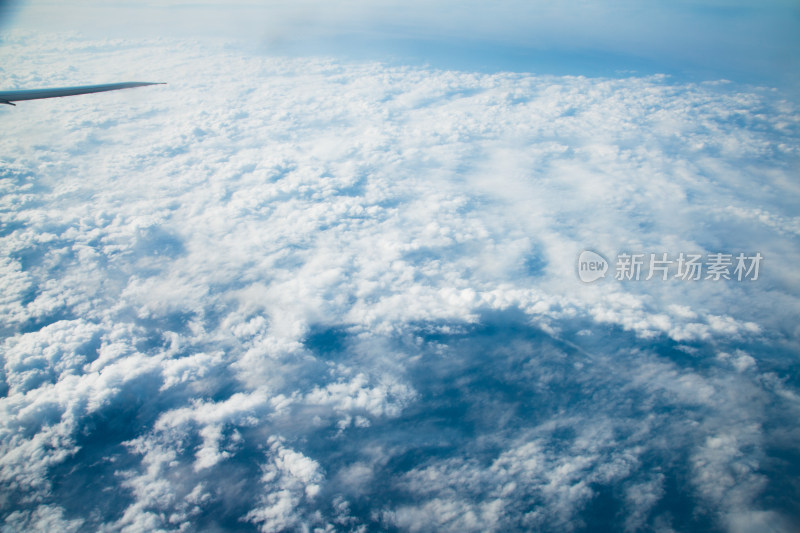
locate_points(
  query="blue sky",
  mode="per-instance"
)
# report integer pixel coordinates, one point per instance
(754, 42)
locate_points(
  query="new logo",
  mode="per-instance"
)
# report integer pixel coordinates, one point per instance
(591, 266)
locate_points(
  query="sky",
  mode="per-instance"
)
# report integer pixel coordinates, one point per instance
(329, 277)
(744, 40)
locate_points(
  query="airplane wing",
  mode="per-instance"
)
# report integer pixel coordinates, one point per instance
(7, 97)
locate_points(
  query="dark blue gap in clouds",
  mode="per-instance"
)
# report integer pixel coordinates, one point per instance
(783, 491)
(326, 341)
(33, 324)
(481, 387)
(158, 241)
(88, 485)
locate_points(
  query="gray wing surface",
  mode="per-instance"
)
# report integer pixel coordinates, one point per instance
(7, 97)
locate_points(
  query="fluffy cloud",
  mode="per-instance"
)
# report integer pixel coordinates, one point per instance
(286, 293)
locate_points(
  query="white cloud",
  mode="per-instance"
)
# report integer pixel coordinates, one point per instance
(43, 518)
(171, 254)
(289, 477)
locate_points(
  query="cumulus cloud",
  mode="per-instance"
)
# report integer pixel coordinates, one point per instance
(291, 293)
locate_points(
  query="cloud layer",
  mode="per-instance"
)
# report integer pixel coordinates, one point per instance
(287, 293)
